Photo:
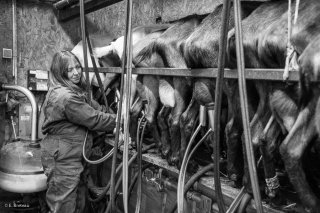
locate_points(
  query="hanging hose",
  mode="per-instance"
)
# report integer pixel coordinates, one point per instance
(133, 158)
(183, 170)
(237, 201)
(135, 178)
(186, 157)
(106, 188)
(218, 101)
(131, 186)
(191, 181)
(244, 107)
(115, 152)
(290, 49)
(109, 154)
(96, 72)
(244, 203)
(104, 158)
(139, 159)
(183, 167)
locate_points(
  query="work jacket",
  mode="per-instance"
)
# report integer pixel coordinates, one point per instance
(68, 115)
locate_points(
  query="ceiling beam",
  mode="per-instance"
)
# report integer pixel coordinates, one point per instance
(69, 13)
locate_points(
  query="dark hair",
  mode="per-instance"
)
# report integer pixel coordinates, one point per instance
(59, 72)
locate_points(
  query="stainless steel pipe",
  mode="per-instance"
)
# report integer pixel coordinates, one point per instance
(34, 107)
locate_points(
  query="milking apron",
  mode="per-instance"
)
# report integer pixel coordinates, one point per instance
(67, 118)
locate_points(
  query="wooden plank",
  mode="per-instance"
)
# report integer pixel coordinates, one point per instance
(253, 74)
(90, 6)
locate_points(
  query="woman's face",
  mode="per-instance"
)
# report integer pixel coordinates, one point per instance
(74, 71)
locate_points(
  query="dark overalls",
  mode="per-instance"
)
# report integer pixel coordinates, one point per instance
(67, 119)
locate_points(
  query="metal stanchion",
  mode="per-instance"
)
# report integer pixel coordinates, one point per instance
(127, 60)
(84, 44)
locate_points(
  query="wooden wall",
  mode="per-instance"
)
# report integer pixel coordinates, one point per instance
(5, 39)
(40, 35)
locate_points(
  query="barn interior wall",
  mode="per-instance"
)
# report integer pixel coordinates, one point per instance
(40, 34)
(6, 39)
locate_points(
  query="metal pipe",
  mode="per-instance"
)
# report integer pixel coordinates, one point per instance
(264, 74)
(128, 62)
(34, 107)
(84, 47)
(244, 107)
(218, 100)
(14, 41)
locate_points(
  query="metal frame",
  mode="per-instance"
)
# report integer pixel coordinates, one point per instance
(250, 74)
(67, 13)
(241, 74)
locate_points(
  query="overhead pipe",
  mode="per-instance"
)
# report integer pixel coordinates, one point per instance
(34, 108)
(14, 42)
(218, 101)
(244, 106)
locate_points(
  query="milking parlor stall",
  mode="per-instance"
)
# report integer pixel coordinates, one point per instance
(216, 103)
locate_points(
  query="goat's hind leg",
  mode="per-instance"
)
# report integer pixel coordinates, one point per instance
(187, 122)
(164, 131)
(181, 92)
(292, 150)
(268, 146)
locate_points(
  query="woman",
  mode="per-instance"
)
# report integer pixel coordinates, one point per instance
(68, 117)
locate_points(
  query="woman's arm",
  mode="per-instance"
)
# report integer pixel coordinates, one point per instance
(79, 112)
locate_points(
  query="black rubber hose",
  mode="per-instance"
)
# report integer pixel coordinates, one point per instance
(135, 178)
(119, 182)
(218, 101)
(139, 159)
(95, 68)
(146, 148)
(106, 188)
(191, 181)
(244, 203)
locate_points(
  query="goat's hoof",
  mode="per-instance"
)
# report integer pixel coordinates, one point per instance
(174, 159)
(237, 180)
(165, 151)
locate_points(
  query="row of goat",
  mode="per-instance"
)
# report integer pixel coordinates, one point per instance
(277, 110)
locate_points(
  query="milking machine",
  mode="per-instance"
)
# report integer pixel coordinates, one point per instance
(214, 112)
(21, 171)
